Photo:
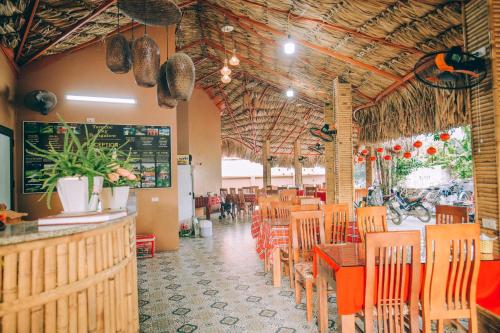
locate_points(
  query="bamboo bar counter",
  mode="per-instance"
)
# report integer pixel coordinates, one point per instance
(78, 278)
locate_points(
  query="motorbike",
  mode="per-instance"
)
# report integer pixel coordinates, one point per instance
(400, 207)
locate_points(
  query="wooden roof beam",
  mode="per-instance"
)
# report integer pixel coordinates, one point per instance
(338, 28)
(323, 50)
(268, 135)
(27, 30)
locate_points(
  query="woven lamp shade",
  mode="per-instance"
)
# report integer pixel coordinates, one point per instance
(146, 61)
(180, 76)
(152, 12)
(118, 54)
(165, 99)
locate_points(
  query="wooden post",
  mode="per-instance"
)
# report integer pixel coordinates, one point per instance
(297, 164)
(330, 159)
(266, 166)
(369, 168)
(482, 19)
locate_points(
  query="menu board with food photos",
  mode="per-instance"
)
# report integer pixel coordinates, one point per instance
(150, 147)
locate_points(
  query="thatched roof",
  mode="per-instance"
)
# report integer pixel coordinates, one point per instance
(373, 44)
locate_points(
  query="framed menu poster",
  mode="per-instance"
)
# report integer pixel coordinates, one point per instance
(150, 147)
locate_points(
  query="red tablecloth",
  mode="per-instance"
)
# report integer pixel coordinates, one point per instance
(256, 223)
(300, 193)
(271, 236)
(351, 283)
(321, 195)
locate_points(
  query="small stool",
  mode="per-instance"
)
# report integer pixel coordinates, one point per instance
(145, 245)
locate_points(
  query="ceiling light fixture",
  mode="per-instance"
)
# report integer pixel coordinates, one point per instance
(289, 92)
(289, 46)
(234, 61)
(226, 79)
(225, 70)
(101, 99)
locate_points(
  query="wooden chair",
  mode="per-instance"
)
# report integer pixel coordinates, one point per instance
(281, 209)
(243, 206)
(302, 208)
(308, 230)
(309, 200)
(310, 191)
(336, 222)
(371, 219)
(359, 194)
(266, 211)
(453, 254)
(451, 214)
(288, 195)
(393, 280)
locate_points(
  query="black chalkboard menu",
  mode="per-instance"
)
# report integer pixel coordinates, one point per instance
(150, 147)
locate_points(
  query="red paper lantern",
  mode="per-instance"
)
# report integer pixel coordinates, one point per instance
(364, 152)
(417, 144)
(397, 148)
(444, 137)
(387, 157)
(380, 150)
(431, 151)
(360, 159)
(372, 158)
(407, 155)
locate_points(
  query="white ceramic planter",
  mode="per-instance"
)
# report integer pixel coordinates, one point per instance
(96, 191)
(114, 198)
(74, 194)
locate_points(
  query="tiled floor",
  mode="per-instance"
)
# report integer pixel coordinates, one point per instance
(216, 285)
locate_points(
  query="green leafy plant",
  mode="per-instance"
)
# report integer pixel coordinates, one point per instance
(120, 169)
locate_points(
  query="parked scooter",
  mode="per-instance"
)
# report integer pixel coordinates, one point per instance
(400, 207)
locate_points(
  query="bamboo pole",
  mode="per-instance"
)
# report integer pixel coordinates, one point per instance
(24, 289)
(9, 290)
(72, 278)
(62, 279)
(82, 295)
(50, 281)
(37, 314)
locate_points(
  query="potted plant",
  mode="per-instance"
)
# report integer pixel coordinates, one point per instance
(118, 181)
(77, 171)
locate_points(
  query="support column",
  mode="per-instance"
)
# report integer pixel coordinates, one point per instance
(297, 164)
(482, 18)
(266, 166)
(339, 155)
(369, 168)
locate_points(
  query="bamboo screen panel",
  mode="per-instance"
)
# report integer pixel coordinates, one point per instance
(483, 114)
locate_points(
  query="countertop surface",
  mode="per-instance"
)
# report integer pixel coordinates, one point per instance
(31, 231)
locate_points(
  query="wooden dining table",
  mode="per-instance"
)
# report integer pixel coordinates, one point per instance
(343, 267)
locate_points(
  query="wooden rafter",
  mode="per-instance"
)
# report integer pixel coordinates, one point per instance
(9, 54)
(336, 27)
(323, 50)
(268, 135)
(306, 118)
(27, 30)
(261, 98)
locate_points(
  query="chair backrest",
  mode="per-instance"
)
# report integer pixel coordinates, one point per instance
(281, 209)
(308, 201)
(336, 222)
(451, 214)
(288, 195)
(308, 230)
(392, 280)
(371, 219)
(265, 208)
(451, 271)
(272, 192)
(302, 208)
(359, 194)
(232, 191)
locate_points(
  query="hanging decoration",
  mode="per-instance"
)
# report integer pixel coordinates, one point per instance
(444, 137)
(360, 159)
(431, 150)
(387, 157)
(365, 152)
(180, 76)
(152, 12)
(225, 70)
(372, 158)
(380, 150)
(397, 148)
(407, 155)
(118, 54)
(225, 79)
(146, 61)
(417, 144)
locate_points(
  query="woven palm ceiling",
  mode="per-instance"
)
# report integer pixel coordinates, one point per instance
(371, 44)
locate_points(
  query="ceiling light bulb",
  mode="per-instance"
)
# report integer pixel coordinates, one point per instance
(289, 46)
(234, 61)
(289, 92)
(225, 70)
(225, 79)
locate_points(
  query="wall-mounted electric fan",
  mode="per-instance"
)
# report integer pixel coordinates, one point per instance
(325, 133)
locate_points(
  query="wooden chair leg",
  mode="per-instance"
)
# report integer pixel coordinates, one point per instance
(473, 324)
(427, 326)
(298, 288)
(440, 325)
(290, 269)
(309, 299)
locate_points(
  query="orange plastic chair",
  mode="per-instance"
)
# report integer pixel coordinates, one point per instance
(453, 254)
(451, 214)
(371, 219)
(393, 279)
(336, 222)
(308, 230)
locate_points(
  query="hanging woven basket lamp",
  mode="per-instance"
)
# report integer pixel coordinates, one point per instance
(146, 61)
(180, 76)
(165, 99)
(152, 12)
(118, 54)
